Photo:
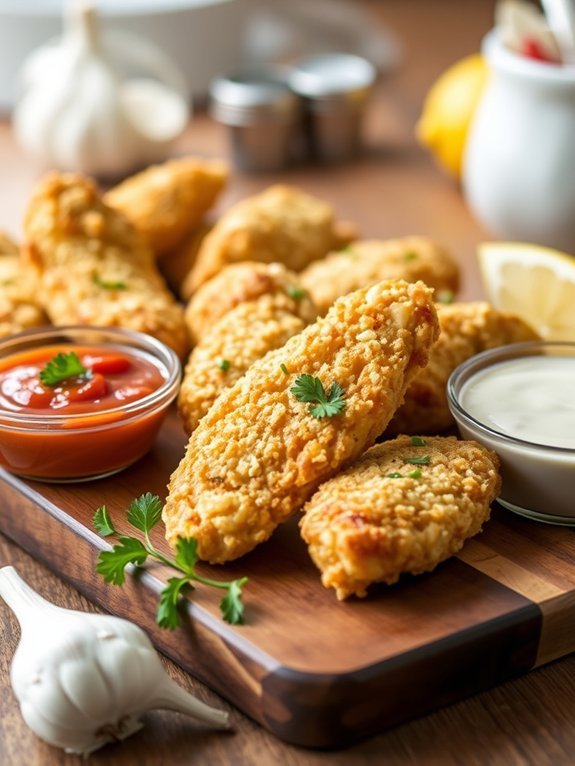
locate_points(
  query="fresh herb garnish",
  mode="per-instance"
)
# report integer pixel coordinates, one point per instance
(224, 365)
(411, 255)
(424, 460)
(297, 293)
(394, 475)
(61, 368)
(445, 296)
(106, 285)
(143, 514)
(415, 474)
(417, 441)
(307, 388)
(284, 369)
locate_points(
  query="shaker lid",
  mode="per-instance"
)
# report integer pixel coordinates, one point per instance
(251, 95)
(328, 75)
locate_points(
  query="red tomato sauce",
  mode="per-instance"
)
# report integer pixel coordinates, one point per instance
(99, 433)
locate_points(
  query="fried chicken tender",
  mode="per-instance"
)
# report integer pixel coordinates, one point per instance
(366, 262)
(369, 525)
(259, 453)
(19, 309)
(466, 329)
(242, 282)
(96, 268)
(244, 335)
(166, 202)
(281, 224)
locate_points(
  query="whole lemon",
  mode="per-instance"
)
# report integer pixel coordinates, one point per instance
(448, 110)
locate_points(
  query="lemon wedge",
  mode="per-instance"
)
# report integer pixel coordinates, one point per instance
(536, 283)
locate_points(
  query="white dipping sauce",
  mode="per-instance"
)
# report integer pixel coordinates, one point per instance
(531, 398)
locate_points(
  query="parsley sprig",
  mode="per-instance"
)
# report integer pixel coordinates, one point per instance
(143, 514)
(106, 284)
(63, 367)
(308, 388)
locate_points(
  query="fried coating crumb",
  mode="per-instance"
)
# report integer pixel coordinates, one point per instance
(19, 309)
(259, 453)
(365, 526)
(166, 202)
(466, 329)
(96, 269)
(366, 262)
(282, 224)
(242, 282)
(241, 337)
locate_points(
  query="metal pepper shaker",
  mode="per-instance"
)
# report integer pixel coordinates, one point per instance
(334, 88)
(263, 115)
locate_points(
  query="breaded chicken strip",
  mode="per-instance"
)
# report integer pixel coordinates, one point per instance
(466, 329)
(166, 202)
(385, 516)
(242, 282)
(19, 309)
(97, 269)
(241, 337)
(281, 224)
(366, 262)
(260, 452)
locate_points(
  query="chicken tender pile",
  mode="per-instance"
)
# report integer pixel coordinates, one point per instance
(240, 283)
(385, 516)
(282, 224)
(466, 330)
(96, 269)
(166, 202)
(260, 453)
(19, 309)
(366, 262)
(243, 335)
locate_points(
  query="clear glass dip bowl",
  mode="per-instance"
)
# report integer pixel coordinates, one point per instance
(63, 447)
(527, 423)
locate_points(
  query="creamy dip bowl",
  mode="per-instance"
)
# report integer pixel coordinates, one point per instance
(519, 401)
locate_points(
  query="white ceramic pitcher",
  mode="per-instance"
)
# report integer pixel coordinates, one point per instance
(519, 164)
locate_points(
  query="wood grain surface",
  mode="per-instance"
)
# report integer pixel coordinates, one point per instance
(394, 189)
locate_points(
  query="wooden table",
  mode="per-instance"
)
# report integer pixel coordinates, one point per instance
(394, 189)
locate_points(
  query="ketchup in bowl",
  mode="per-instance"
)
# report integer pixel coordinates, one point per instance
(81, 403)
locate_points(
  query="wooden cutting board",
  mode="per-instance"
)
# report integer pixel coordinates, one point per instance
(314, 671)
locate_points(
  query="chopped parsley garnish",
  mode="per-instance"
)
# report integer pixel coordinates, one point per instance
(143, 514)
(394, 475)
(63, 367)
(417, 441)
(424, 460)
(308, 388)
(297, 293)
(411, 255)
(415, 474)
(224, 365)
(106, 285)
(445, 296)
(284, 369)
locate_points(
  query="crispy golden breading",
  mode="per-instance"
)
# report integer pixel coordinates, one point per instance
(366, 526)
(281, 224)
(166, 202)
(242, 282)
(19, 309)
(366, 262)
(259, 453)
(466, 329)
(96, 268)
(241, 337)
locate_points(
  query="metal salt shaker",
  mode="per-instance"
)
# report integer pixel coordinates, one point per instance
(263, 115)
(334, 88)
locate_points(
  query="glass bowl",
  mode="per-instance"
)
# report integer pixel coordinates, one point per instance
(57, 446)
(518, 401)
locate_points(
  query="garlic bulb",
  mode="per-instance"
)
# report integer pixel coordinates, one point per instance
(76, 113)
(83, 679)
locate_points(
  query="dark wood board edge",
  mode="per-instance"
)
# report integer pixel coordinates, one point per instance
(310, 710)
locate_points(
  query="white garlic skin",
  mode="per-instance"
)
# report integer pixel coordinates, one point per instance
(84, 679)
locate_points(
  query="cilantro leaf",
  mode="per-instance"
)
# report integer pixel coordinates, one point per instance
(231, 605)
(415, 474)
(308, 388)
(186, 554)
(168, 615)
(224, 365)
(145, 512)
(296, 293)
(394, 475)
(106, 285)
(103, 522)
(112, 564)
(424, 460)
(417, 441)
(61, 368)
